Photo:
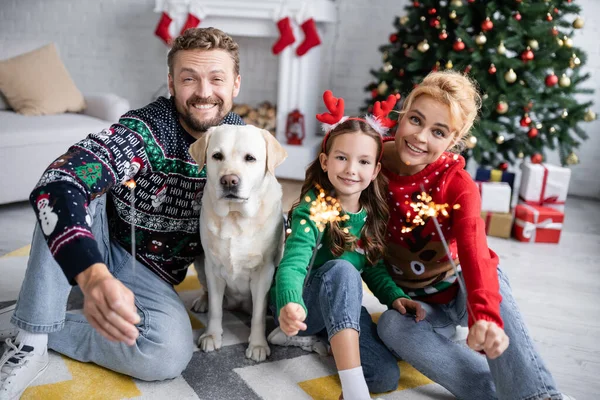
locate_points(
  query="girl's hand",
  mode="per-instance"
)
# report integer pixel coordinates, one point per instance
(489, 337)
(403, 304)
(290, 319)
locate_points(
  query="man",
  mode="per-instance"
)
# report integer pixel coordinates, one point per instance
(134, 322)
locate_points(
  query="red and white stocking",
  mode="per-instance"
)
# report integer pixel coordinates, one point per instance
(311, 37)
(286, 35)
(162, 29)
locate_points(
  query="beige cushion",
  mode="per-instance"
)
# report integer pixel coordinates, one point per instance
(37, 83)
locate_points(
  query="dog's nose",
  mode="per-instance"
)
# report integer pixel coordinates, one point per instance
(230, 181)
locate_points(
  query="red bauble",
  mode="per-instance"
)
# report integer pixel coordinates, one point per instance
(431, 11)
(503, 166)
(393, 38)
(401, 73)
(459, 45)
(370, 109)
(443, 35)
(525, 121)
(374, 93)
(416, 3)
(492, 69)
(434, 22)
(536, 158)
(487, 25)
(527, 55)
(533, 132)
(555, 10)
(554, 31)
(551, 80)
(517, 16)
(468, 69)
(548, 17)
(471, 1)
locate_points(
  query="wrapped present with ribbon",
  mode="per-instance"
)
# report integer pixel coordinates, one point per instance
(498, 224)
(495, 175)
(495, 196)
(538, 224)
(545, 185)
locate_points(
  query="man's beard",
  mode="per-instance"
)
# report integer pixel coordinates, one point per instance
(195, 123)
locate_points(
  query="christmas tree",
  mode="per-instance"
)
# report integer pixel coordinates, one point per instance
(522, 55)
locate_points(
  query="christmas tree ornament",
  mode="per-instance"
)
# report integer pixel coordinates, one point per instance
(458, 45)
(589, 115)
(470, 1)
(564, 114)
(510, 76)
(401, 72)
(527, 55)
(480, 39)
(574, 62)
(443, 35)
(374, 93)
(468, 68)
(449, 64)
(387, 67)
(456, 3)
(500, 139)
(533, 132)
(551, 80)
(286, 35)
(564, 81)
(384, 56)
(393, 38)
(382, 88)
(434, 22)
(533, 44)
(436, 67)
(431, 11)
(416, 4)
(552, 129)
(403, 20)
(525, 120)
(536, 158)
(501, 49)
(539, 125)
(568, 42)
(554, 31)
(548, 17)
(503, 166)
(422, 19)
(502, 107)
(572, 159)
(485, 96)
(487, 25)
(560, 42)
(517, 16)
(423, 46)
(492, 69)
(578, 23)
(452, 14)
(520, 155)
(471, 142)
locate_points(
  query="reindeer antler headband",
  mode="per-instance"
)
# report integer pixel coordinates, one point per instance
(379, 120)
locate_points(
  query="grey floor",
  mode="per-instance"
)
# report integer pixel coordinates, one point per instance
(556, 286)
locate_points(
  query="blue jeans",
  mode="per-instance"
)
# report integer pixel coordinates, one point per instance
(518, 374)
(333, 298)
(165, 343)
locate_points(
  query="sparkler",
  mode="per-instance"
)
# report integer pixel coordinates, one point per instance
(131, 185)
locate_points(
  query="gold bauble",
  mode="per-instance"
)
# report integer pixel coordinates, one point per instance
(449, 64)
(480, 39)
(472, 142)
(564, 114)
(572, 159)
(568, 42)
(564, 81)
(382, 88)
(422, 18)
(539, 125)
(403, 20)
(533, 44)
(574, 61)
(485, 96)
(452, 14)
(510, 76)
(589, 116)
(387, 67)
(423, 46)
(384, 55)
(456, 3)
(500, 139)
(502, 107)
(501, 49)
(578, 23)
(560, 42)
(552, 129)
(520, 155)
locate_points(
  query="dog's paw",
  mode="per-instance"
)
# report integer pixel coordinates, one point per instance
(258, 351)
(200, 305)
(210, 342)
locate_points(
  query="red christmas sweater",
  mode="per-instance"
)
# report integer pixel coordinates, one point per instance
(417, 261)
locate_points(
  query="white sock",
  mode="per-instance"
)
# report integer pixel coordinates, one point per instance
(39, 341)
(354, 386)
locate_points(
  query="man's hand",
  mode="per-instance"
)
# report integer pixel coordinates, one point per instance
(403, 304)
(290, 319)
(108, 305)
(489, 337)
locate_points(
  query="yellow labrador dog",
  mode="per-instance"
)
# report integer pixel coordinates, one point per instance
(241, 228)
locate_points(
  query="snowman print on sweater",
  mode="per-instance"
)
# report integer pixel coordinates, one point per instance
(48, 218)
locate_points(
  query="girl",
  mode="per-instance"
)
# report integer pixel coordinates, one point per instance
(349, 165)
(437, 116)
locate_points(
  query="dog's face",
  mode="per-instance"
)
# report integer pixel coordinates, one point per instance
(237, 159)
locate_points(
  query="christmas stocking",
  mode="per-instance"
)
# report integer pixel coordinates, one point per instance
(191, 22)
(162, 29)
(286, 35)
(311, 37)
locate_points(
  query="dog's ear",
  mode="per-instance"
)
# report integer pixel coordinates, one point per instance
(276, 154)
(198, 148)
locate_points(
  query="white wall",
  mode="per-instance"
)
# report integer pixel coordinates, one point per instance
(109, 45)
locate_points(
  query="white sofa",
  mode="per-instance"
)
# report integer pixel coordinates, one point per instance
(28, 144)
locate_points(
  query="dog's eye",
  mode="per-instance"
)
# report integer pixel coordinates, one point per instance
(217, 156)
(250, 158)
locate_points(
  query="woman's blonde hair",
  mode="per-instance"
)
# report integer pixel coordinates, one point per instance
(459, 92)
(372, 199)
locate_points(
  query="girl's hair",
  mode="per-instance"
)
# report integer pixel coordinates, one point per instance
(458, 92)
(372, 198)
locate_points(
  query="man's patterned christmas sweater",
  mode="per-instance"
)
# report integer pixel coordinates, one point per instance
(149, 146)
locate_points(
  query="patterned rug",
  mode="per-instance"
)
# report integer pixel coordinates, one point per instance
(289, 373)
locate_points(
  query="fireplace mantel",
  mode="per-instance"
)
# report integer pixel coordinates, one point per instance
(298, 77)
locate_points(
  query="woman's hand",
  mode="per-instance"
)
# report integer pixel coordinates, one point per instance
(488, 337)
(291, 317)
(403, 304)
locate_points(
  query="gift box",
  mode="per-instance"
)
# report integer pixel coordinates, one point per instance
(544, 185)
(495, 196)
(538, 224)
(495, 175)
(498, 224)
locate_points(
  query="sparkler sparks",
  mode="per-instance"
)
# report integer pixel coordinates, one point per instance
(425, 209)
(325, 209)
